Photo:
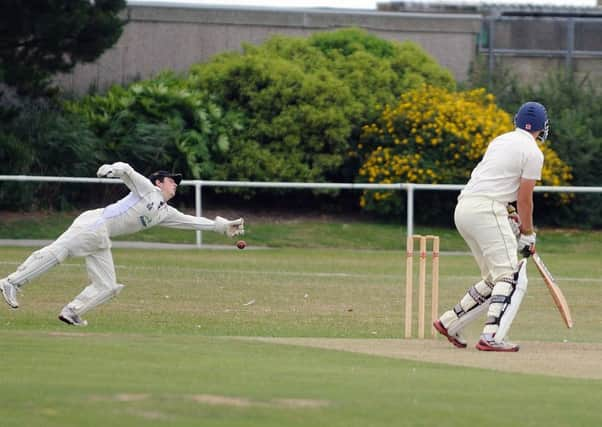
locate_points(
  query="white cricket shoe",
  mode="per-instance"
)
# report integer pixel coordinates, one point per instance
(9, 292)
(70, 317)
(486, 343)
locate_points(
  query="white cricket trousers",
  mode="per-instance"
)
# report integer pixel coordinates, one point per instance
(483, 223)
(87, 237)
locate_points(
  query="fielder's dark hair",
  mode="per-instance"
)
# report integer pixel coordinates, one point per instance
(160, 175)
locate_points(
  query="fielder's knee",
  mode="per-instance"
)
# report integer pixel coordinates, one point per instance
(38, 263)
(93, 296)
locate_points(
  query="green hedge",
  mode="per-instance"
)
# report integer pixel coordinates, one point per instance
(306, 99)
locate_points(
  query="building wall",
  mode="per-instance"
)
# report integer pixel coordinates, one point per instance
(161, 38)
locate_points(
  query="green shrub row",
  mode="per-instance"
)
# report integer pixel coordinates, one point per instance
(290, 109)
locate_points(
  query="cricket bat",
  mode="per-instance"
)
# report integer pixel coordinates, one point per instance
(555, 291)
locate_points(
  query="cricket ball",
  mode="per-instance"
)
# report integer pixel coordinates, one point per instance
(241, 244)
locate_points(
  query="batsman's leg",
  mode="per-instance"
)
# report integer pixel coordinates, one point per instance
(506, 298)
(102, 288)
(471, 306)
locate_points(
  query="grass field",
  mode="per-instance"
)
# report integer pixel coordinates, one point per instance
(166, 352)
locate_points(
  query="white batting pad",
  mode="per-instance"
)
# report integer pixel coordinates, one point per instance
(516, 297)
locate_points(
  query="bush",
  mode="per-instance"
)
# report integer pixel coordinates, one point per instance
(42, 139)
(298, 122)
(306, 99)
(436, 136)
(160, 124)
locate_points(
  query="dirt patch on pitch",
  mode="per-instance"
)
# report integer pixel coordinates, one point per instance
(212, 399)
(573, 360)
(217, 400)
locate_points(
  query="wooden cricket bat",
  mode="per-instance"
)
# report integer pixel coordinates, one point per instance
(555, 291)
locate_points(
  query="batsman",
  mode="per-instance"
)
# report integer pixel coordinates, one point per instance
(90, 236)
(506, 175)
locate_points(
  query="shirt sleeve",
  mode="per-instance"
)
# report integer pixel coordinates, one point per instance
(136, 182)
(177, 219)
(533, 165)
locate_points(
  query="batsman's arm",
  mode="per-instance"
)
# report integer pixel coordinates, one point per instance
(177, 219)
(524, 205)
(136, 182)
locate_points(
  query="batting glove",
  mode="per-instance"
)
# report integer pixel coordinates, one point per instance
(514, 220)
(105, 171)
(229, 228)
(526, 244)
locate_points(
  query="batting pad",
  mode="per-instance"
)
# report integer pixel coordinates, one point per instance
(38, 263)
(516, 297)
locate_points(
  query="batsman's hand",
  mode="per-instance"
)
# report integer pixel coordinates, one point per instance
(526, 244)
(105, 171)
(230, 228)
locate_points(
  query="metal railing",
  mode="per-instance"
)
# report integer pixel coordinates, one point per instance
(409, 188)
(571, 50)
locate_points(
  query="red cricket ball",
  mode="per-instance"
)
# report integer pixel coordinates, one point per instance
(241, 244)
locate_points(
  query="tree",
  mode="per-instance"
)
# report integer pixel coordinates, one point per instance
(40, 38)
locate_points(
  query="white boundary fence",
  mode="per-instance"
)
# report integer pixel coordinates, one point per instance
(409, 188)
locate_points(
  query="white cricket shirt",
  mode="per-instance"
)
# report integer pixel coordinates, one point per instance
(143, 208)
(508, 158)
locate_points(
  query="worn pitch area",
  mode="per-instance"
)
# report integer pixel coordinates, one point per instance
(574, 360)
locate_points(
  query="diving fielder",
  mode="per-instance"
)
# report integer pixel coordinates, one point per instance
(90, 236)
(507, 173)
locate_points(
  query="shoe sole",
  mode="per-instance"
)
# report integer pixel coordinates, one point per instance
(69, 322)
(441, 329)
(486, 347)
(66, 320)
(6, 299)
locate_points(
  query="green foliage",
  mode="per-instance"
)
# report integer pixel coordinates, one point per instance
(288, 110)
(39, 39)
(433, 135)
(161, 123)
(306, 99)
(298, 119)
(41, 139)
(377, 70)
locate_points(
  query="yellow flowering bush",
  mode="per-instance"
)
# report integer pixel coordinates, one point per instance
(436, 136)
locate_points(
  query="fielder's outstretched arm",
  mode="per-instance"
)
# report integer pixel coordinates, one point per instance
(177, 219)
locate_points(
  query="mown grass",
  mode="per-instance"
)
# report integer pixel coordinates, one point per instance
(300, 233)
(190, 380)
(163, 352)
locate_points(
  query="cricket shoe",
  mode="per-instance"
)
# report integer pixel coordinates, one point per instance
(9, 292)
(456, 339)
(488, 344)
(70, 317)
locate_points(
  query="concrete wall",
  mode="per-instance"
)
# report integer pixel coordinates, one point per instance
(162, 37)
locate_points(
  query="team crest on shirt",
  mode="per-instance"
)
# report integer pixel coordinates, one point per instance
(145, 220)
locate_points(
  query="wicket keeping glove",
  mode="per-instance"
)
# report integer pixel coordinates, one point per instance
(116, 170)
(526, 244)
(105, 171)
(229, 228)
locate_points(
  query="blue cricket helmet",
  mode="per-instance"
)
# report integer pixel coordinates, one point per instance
(532, 116)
